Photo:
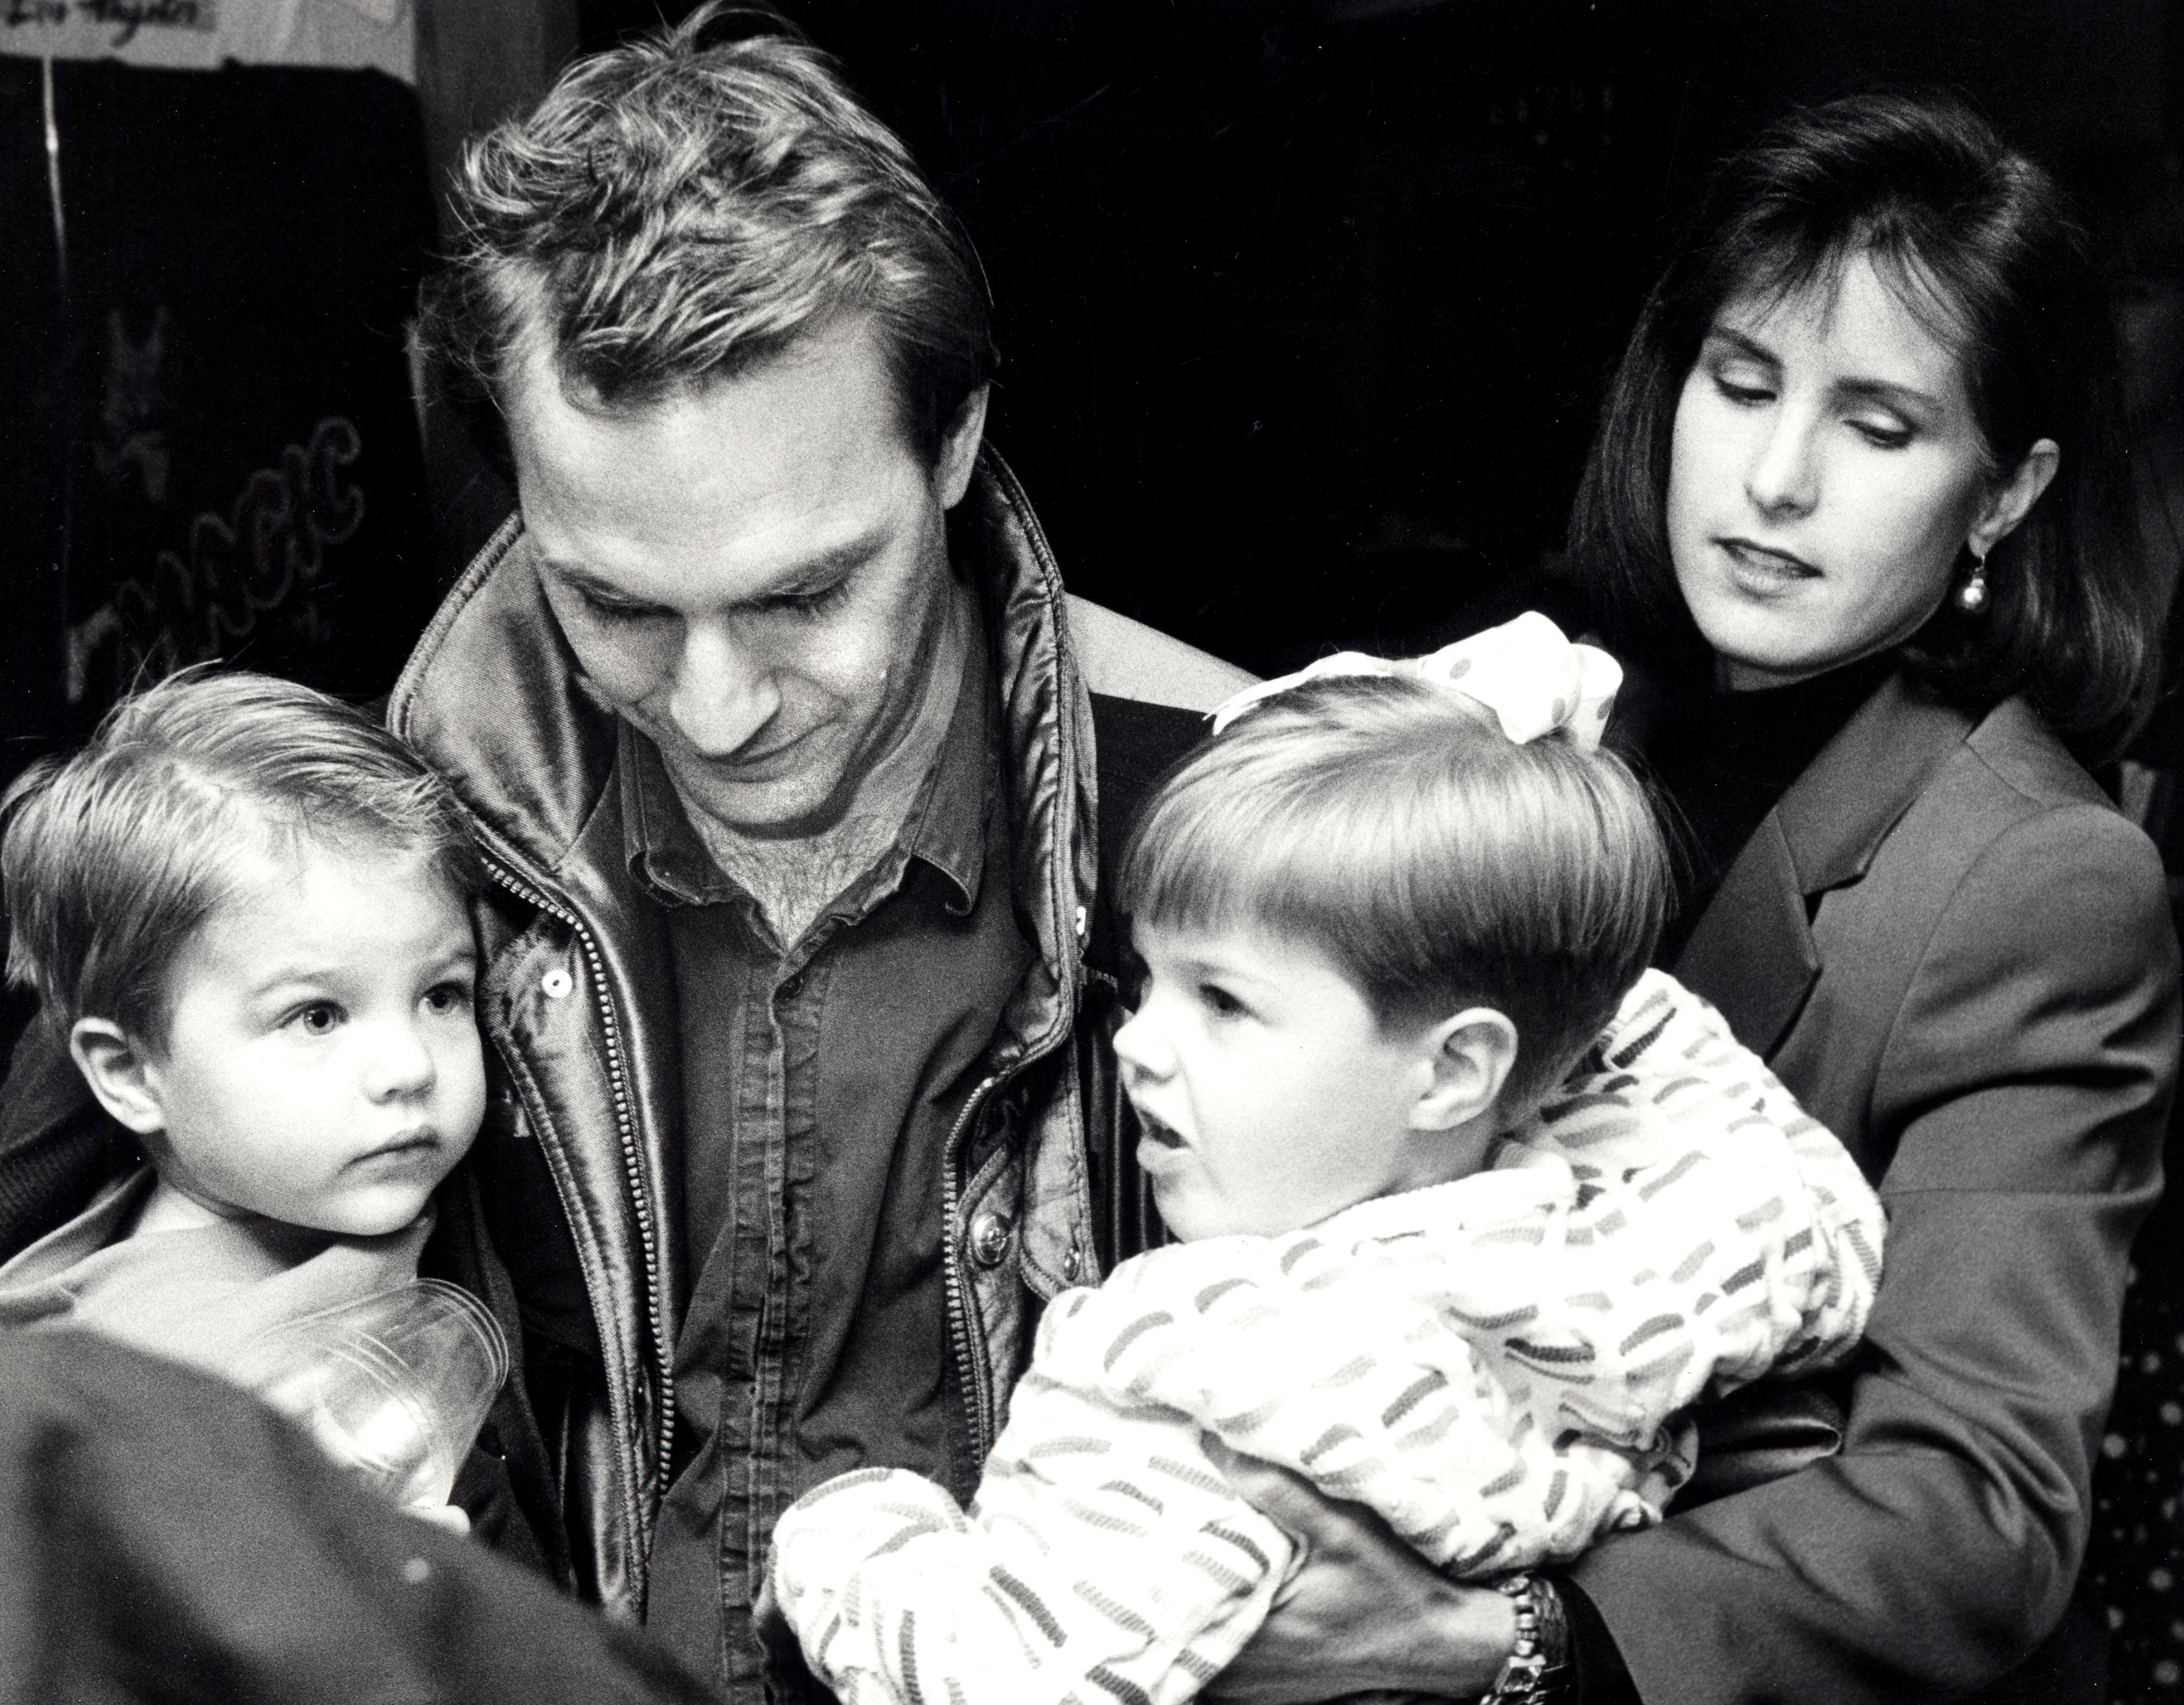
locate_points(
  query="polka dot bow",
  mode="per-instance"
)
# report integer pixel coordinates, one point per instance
(1535, 681)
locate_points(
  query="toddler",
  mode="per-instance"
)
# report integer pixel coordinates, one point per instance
(1424, 1263)
(246, 906)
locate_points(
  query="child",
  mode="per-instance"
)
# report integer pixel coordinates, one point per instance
(246, 908)
(1378, 929)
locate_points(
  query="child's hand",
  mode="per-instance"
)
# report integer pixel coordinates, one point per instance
(453, 1517)
(788, 1676)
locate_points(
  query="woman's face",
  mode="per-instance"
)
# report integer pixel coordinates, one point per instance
(1826, 473)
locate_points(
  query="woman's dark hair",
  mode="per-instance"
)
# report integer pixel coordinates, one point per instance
(1977, 240)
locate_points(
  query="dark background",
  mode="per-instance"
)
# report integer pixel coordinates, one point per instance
(1305, 308)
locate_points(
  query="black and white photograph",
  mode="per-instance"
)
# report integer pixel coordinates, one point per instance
(1091, 852)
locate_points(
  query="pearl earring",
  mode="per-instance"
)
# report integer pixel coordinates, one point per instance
(1971, 596)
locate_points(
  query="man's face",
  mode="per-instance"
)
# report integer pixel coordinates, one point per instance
(754, 573)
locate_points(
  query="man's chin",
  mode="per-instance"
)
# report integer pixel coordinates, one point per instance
(791, 807)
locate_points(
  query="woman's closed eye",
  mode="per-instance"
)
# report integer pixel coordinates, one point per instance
(1747, 391)
(1883, 432)
(1741, 377)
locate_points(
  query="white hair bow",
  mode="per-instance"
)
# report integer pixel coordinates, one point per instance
(1533, 680)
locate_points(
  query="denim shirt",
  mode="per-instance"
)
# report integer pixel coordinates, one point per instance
(820, 1083)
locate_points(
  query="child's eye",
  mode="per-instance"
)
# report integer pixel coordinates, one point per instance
(445, 998)
(319, 1018)
(1220, 1002)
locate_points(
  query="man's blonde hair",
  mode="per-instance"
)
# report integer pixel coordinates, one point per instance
(685, 208)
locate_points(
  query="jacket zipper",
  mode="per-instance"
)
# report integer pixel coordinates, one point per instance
(977, 1393)
(626, 1126)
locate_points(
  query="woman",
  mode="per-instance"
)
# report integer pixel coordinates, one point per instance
(1855, 506)
(1856, 499)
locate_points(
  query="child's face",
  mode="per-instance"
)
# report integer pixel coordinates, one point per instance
(322, 1066)
(1270, 1094)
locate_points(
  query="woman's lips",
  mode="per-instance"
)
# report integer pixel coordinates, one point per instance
(1761, 569)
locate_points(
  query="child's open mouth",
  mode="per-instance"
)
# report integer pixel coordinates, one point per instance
(1154, 1132)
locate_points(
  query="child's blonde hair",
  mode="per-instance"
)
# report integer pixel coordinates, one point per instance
(114, 857)
(1388, 821)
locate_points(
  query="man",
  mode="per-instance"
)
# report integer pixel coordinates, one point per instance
(780, 737)
(793, 767)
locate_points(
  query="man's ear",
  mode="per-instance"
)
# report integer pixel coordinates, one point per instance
(1471, 1055)
(959, 451)
(121, 1073)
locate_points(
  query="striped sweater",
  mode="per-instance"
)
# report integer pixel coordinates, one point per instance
(1498, 1365)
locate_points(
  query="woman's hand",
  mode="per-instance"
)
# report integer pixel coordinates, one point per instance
(1362, 1613)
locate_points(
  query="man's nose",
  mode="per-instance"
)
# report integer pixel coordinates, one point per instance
(724, 692)
(1783, 477)
(402, 1065)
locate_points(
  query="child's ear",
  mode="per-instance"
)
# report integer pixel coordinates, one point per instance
(1471, 1055)
(120, 1073)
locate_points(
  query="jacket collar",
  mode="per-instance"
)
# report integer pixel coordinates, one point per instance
(492, 701)
(1752, 953)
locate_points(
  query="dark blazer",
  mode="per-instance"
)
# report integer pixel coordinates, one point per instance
(1959, 956)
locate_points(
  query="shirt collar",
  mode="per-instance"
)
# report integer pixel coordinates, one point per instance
(664, 851)
(946, 827)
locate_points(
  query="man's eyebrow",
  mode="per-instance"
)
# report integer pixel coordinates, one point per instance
(818, 572)
(815, 573)
(577, 576)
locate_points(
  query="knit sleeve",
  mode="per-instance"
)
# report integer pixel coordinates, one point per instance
(1712, 1207)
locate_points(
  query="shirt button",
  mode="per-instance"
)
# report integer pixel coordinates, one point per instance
(990, 1239)
(1072, 1264)
(557, 983)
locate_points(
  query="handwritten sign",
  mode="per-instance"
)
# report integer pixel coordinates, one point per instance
(201, 35)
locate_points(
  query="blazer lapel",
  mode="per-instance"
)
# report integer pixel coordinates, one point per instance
(1752, 953)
